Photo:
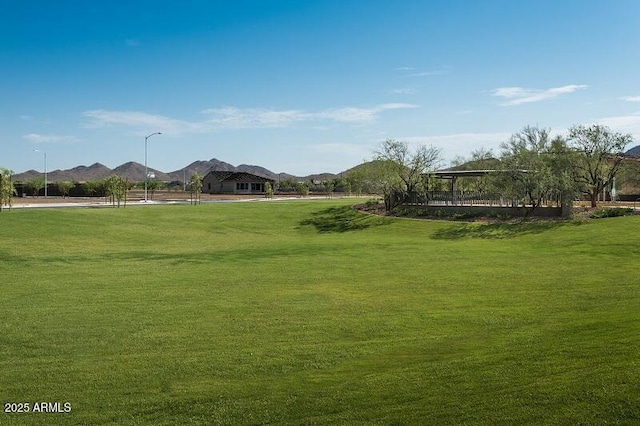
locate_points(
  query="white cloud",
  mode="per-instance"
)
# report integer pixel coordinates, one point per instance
(520, 95)
(358, 115)
(630, 98)
(37, 138)
(427, 73)
(461, 143)
(404, 91)
(624, 124)
(236, 118)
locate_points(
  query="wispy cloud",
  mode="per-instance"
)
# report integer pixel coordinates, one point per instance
(237, 118)
(358, 115)
(406, 74)
(521, 95)
(404, 91)
(630, 98)
(461, 143)
(624, 123)
(37, 138)
(427, 73)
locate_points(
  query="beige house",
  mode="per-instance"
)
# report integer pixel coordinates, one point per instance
(218, 182)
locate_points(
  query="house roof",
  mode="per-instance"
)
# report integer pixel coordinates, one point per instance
(223, 176)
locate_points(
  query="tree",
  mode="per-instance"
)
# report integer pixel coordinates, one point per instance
(268, 190)
(534, 168)
(35, 185)
(302, 188)
(153, 185)
(7, 190)
(481, 159)
(329, 185)
(195, 185)
(94, 187)
(628, 176)
(116, 189)
(599, 155)
(65, 187)
(401, 173)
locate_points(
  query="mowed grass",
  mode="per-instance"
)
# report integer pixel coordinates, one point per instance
(310, 313)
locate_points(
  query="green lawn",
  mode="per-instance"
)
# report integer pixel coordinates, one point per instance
(309, 313)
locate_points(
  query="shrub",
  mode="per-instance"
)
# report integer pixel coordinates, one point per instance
(610, 212)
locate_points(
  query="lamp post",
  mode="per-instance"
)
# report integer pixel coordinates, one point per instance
(146, 173)
(45, 170)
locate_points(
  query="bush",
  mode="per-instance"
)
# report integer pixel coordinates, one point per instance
(610, 212)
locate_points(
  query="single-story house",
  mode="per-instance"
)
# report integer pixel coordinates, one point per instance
(219, 182)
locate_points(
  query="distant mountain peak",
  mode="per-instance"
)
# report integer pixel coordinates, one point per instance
(135, 172)
(634, 152)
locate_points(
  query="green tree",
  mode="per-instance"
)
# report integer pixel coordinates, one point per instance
(116, 189)
(329, 185)
(7, 190)
(154, 185)
(268, 190)
(65, 186)
(534, 168)
(400, 173)
(302, 188)
(600, 153)
(628, 176)
(288, 184)
(195, 186)
(34, 185)
(346, 187)
(94, 187)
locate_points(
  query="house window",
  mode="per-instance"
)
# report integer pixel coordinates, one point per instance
(242, 186)
(257, 187)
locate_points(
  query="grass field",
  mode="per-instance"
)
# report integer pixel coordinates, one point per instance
(310, 313)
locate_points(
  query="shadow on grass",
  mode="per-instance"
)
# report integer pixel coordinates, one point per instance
(498, 230)
(342, 219)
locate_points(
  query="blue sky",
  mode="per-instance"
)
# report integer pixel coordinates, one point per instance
(304, 86)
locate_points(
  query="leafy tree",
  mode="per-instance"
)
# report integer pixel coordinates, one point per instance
(480, 159)
(195, 186)
(94, 187)
(288, 184)
(534, 168)
(7, 190)
(628, 176)
(302, 188)
(116, 189)
(600, 153)
(346, 187)
(268, 190)
(329, 185)
(34, 185)
(153, 185)
(65, 187)
(399, 172)
(355, 180)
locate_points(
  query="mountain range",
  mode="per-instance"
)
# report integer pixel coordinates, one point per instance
(135, 172)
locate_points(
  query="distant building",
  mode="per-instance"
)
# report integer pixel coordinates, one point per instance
(218, 182)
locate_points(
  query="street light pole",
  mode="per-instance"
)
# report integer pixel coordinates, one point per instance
(146, 172)
(45, 170)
